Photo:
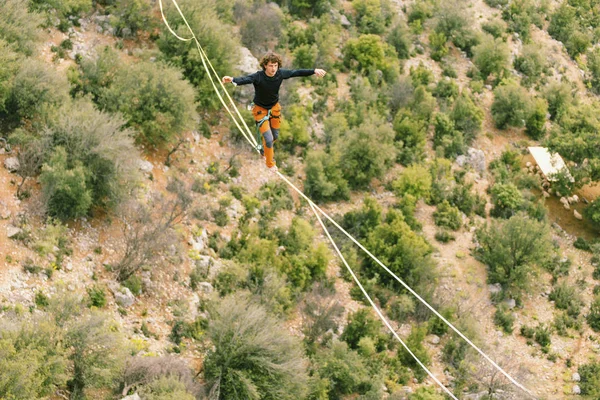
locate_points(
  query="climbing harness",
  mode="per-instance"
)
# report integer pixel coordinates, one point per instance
(318, 212)
(266, 118)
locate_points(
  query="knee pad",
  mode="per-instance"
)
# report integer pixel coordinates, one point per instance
(268, 136)
(275, 134)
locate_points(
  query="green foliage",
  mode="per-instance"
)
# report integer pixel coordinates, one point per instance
(421, 75)
(294, 129)
(437, 42)
(404, 252)
(134, 284)
(415, 344)
(360, 223)
(531, 63)
(343, 369)
(415, 181)
(9, 65)
(262, 26)
(593, 64)
(511, 248)
(423, 104)
(305, 55)
(446, 89)
(445, 136)
(593, 317)
(154, 99)
(467, 116)
(372, 16)
(566, 298)
(64, 188)
(535, 125)
(65, 10)
(401, 308)
(453, 20)
(370, 52)
(511, 105)
(324, 179)
(253, 357)
(367, 152)
(97, 296)
(399, 38)
(566, 27)
(495, 27)
(95, 74)
(507, 200)
(504, 318)
(592, 213)
(37, 91)
(590, 379)
(425, 393)
(542, 335)
(131, 16)
(410, 137)
(217, 42)
(491, 57)
(447, 216)
(306, 8)
(519, 15)
(166, 388)
(18, 26)
(361, 324)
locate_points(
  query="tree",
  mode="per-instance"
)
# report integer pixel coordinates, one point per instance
(252, 357)
(559, 98)
(535, 125)
(372, 16)
(217, 42)
(511, 248)
(367, 51)
(447, 216)
(491, 57)
(467, 116)
(95, 74)
(19, 26)
(261, 29)
(590, 379)
(154, 99)
(592, 212)
(365, 158)
(531, 63)
(507, 200)
(410, 137)
(324, 179)
(131, 16)
(361, 222)
(403, 251)
(415, 181)
(319, 313)
(65, 192)
(9, 65)
(360, 324)
(593, 63)
(511, 105)
(415, 344)
(399, 39)
(447, 137)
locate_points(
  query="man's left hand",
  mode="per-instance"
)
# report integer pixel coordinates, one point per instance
(320, 72)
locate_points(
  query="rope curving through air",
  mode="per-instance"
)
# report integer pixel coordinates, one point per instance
(246, 132)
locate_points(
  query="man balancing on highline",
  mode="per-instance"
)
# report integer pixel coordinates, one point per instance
(266, 110)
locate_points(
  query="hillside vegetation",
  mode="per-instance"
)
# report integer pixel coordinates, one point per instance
(145, 250)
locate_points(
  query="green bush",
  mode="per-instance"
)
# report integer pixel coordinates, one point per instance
(495, 27)
(361, 324)
(415, 344)
(437, 42)
(542, 335)
(511, 248)
(166, 388)
(324, 179)
(365, 158)
(65, 10)
(372, 16)
(467, 116)
(64, 189)
(559, 97)
(565, 298)
(491, 57)
(447, 216)
(410, 137)
(252, 354)
(415, 181)
(592, 213)
(531, 63)
(453, 20)
(399, 38)
(593, 317)
(511, 105)
(131, 16)
(535, 125)
(444, 236)
(446, 88)
(134, 284)
(361, 222)
(20, 27)
(370, 52)
(97, 296)
(505, 319)
(590, 379)
(593, 64)
(507, 200)
(165, 102)
(217, 42)
(9, 65)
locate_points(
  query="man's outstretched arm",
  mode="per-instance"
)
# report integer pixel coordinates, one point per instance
(291, 73)
(244, 80)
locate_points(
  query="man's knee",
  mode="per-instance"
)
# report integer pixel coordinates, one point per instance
(275, 134)
(268, 136)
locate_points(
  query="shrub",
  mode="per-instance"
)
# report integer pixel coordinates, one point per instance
(361, 222)
(590, 379)
(131, 16)
(592, 213)
(64, 189)
(399, 39)
(511, 105)
(410, 137)
(491, 57)
(447, 216)
(505, 319)
(95, 74)
(401, 308)
(507, 200)
(437, 42)
(166, 102)
(217, 42)
(367, 52)
(252, 354)
(593, 317)
(261, 28)
(415, 344)
(565, 298)
(446, 88)
(97, 296)
(447, 137)
(593, 63)
(559, 98)
(531, 63)
(467, 116)
(444, 236)
(324, 178)
(372, 16)
(495, 27)
(18, 26)
(415, 181)
(365, 158)
(511, 248)
(166, 387)
(542, 335)
(535, 125)
(361, 324)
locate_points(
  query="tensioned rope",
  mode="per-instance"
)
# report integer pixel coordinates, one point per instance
(377, 310)
(250, 139)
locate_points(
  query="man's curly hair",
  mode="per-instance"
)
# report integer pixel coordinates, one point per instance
(270, 57)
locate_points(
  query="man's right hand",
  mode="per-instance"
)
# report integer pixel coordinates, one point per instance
(227, 79)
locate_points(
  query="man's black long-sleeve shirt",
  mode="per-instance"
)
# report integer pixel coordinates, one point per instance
(266, 89)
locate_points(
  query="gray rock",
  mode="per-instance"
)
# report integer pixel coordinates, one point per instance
(510, 303)
(577, 215)
(434, 339)
(477, 159)
(576, 389)
(495, 288)
(344, 21)
(145, 166)
(124, 297)
(248, 63)
(12, 164)
(205, 287)
(134, 396)
(576, 377)
(12, 231)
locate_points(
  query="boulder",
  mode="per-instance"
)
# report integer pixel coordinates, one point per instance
(134, 396)
(576, 389)
(12, 164)
(124, 297)
(576, 377)
(510, 303)
(205, 287)
(12, 231)
(577, 215)
(145, 166)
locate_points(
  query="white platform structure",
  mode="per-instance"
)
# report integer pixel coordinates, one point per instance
(550, 164)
